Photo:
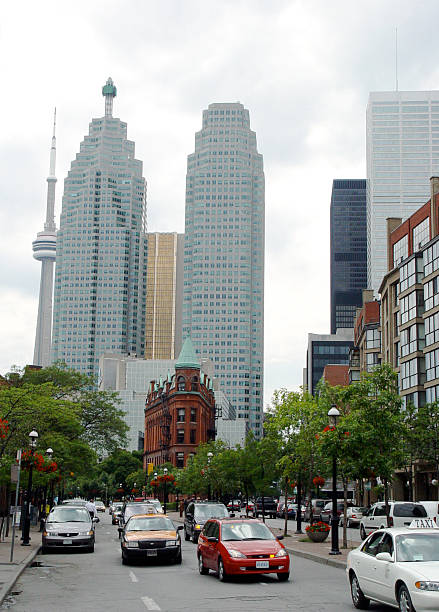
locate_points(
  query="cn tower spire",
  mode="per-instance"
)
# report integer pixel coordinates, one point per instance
(109, 92)
(44, 248)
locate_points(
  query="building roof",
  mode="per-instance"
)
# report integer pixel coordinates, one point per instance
(188, 357)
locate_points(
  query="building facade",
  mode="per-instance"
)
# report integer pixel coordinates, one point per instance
(44, 248)
(179, 412)
(100, 287)
(402, 140)
(324, 349)
(367, 333)
(348, 250)
(164, 295)
(223, 294)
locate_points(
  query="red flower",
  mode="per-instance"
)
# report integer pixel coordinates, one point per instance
(347, 433)
(318, 481)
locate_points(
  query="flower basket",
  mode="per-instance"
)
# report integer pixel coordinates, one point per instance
(318, 536)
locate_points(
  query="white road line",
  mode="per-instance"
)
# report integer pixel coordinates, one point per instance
(133, 577)
(108, 532)
(150, 604)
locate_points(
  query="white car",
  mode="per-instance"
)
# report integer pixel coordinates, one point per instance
(401, 514)
(398, 567)
(100, 506)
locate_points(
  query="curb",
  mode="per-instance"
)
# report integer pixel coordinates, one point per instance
(20, 569)
(322, 560)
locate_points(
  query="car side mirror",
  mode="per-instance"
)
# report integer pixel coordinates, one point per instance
(212, 539)
(384, 556)
(180, 527)
(280, 537)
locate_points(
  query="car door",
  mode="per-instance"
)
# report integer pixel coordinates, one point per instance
(383, 571)
(371, 521)
(203, 544)
(365, 565)
(212, 547)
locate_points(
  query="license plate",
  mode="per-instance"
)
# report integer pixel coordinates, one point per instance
(262, 564)
(151, 553)
(67, 541)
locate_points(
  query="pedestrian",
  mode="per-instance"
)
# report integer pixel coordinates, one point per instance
(91, 508)
(182, 507)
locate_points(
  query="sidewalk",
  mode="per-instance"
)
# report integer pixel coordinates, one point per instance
(318, 552)
(23, 556)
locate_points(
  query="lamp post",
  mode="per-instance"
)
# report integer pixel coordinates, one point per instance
(209, 459)
(135, 488)
(33, 436)
(165, 472)
(333, 416)
(156, 485)
(49, 453)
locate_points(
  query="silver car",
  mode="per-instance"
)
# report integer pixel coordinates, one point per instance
(69, 527)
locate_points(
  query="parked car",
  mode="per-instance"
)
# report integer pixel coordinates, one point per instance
(353, 516)
(270, 507)
(401, 514)
(234, 505)
(317, 506)
(243, 547)
(68, 527)
(150, 536)
(292, 511)
(326, 513)
(249, 508)
(432, 509)
(197, 513)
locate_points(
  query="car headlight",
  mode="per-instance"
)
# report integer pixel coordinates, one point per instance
(281, 553)
(236, 554)
(134, 544)
(427, 585)
(49, 533)
(171, 542)
(86, 533)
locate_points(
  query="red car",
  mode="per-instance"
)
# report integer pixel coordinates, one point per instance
(241, 547)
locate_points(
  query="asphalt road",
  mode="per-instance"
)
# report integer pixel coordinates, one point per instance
(99, 582)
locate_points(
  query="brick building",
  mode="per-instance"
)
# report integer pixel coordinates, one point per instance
(179, 411)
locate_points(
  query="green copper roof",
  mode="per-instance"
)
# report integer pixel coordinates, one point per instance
(109, 88)
(188, 357)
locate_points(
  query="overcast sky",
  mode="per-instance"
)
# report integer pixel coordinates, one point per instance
(304, 70)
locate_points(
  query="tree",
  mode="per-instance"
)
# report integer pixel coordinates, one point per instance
(423, 426)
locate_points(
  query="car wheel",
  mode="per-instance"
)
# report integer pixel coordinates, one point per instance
(194, 538)
(178, 558)
(284, 577)
(340, 524)
(91, 548)
(358, 599)
(186, 535)
(124, 560)
(363, 534)
(221, 571)
(404, 600)
(203, 570)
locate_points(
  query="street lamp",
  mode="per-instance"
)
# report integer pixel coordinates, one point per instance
(33, 436)
(209, 459)
(165, 472)
(49, 453)
(134, 488)
(155, 486)
(333, 416)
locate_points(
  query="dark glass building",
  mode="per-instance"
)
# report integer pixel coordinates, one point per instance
(348, 250)
(325, 349)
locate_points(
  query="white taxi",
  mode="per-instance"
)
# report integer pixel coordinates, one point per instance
(398, 566)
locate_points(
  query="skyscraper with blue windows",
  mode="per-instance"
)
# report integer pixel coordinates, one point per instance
(100, 281)
(223, 293)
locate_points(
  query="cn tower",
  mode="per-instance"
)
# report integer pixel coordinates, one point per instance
(44, 248)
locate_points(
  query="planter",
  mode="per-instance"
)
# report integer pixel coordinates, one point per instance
(317, 536)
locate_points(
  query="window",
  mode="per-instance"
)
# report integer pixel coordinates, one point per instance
(180, 436)
(412, 306)
(386, 544)
(421, 234)
(371, 547)
(181, 383)
(432, 329)
(372, 360)
(193, 436)
(431, 259)
(373, 337)
(410, 273)
(431, 293)
(194, 383)
(193, 415)
(400, 250)
(412, 373)
(181, 415)
(180, 460)
(432, 365)
(380, 511)
(412, 339)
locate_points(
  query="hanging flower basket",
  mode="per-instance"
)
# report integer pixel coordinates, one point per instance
(318, 481)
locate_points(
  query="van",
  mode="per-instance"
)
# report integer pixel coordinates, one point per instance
(432, 509)
(401, 514)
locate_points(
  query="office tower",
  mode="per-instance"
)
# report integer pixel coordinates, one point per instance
(323, 350)
(44, 248)
(164, 295)
(223, 294)
(402, 154)
(348, 250)
(100, 286)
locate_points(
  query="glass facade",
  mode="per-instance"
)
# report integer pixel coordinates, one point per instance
(326, 352)
(223, 293)
(402, 154)
(348, 250)
(100, 292)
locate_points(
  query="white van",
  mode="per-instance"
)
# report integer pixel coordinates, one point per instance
(432, 509)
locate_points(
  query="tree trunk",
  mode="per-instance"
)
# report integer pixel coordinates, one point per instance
(286, 508)
(345, 511)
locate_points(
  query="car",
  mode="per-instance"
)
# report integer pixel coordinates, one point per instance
(241, 547)
(248, 507)
(68, 527)
(397, 566)
(353, 516)
(197, 513)
(317, 506)
(150, 536)
(74, 502)
(401, 514)
(432, 509)
(156, 503)
(292, 511)
(326, 513)
(116, 513)
(131, 508)
(268, 509)
(233, 505)
(100, 506)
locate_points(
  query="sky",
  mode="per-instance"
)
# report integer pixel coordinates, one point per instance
(304, 69)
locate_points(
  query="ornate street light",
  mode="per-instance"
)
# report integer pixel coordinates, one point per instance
(33, 437)
(334, 415)
(165, 472)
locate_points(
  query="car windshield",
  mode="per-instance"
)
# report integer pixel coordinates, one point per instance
(139, 509)
(161, 523)
(68, 515)
(417, 547)
(245, 531)
(206, 511)
(410, 510)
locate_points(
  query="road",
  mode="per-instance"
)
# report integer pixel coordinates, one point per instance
(82, 582)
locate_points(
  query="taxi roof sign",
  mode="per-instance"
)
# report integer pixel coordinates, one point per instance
(423, 523)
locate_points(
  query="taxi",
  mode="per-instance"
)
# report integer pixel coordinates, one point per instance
(397, 566)
(241, 547)
(152, 537)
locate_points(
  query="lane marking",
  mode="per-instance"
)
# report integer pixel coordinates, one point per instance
(150, 604)
(133, 577)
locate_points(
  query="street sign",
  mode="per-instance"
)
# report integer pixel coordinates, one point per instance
(150, 468)
(14, 472)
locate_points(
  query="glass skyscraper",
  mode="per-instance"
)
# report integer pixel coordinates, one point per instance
(223, 291)
(402, 154)
(348, 250)
(100, 281)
